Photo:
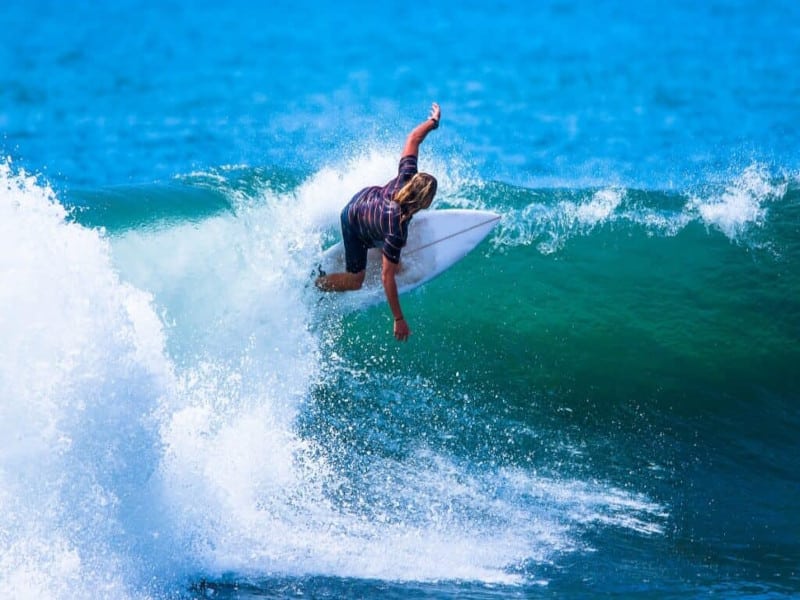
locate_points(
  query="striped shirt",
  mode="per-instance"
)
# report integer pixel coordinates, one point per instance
(375, 217)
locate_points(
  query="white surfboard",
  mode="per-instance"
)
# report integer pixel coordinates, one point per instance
(437, 239)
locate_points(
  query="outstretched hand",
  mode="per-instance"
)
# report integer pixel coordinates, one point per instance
(436, 112)
(401, 330)
(418, 134)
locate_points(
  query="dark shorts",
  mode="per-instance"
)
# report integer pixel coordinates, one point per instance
(355, 251)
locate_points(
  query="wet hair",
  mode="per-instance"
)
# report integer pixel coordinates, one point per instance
(417, 194)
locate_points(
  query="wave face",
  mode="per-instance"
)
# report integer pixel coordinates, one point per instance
(179, 408)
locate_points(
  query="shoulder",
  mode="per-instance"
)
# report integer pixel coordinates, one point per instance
(408, 165)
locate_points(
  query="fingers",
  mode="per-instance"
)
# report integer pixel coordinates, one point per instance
(401, 331)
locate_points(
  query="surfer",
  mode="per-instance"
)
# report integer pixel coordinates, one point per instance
(381, 215)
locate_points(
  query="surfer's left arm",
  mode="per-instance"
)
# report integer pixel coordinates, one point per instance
(388, 277)
(419, 132)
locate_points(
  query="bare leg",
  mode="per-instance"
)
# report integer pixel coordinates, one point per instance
(340, 282)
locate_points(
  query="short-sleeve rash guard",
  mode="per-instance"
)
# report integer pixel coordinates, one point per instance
(375, 217)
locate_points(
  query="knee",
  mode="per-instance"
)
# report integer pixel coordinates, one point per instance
(358, 279)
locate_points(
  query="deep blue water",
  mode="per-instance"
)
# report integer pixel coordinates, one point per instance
(648, 95)
(602, 399)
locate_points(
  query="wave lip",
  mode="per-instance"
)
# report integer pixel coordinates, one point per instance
(550, 218)
(742, 204)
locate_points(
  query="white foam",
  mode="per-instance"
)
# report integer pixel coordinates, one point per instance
(550, 226)
(742, 204)
(597, 210)
(81, 367)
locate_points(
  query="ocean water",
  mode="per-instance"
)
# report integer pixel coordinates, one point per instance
(602, 399)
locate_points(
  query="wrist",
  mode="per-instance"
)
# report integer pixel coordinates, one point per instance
(400, 318)
(435, 122)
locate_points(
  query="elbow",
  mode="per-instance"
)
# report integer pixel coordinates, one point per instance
(416, 138)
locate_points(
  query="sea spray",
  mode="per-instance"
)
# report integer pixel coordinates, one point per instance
(83, 371)
(548, 219)
(742, 204)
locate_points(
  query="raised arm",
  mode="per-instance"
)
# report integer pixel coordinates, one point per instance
(419, 132)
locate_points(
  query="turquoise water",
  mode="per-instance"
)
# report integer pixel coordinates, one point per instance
(601, 399)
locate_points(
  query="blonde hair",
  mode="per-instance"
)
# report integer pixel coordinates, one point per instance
(417, 194)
